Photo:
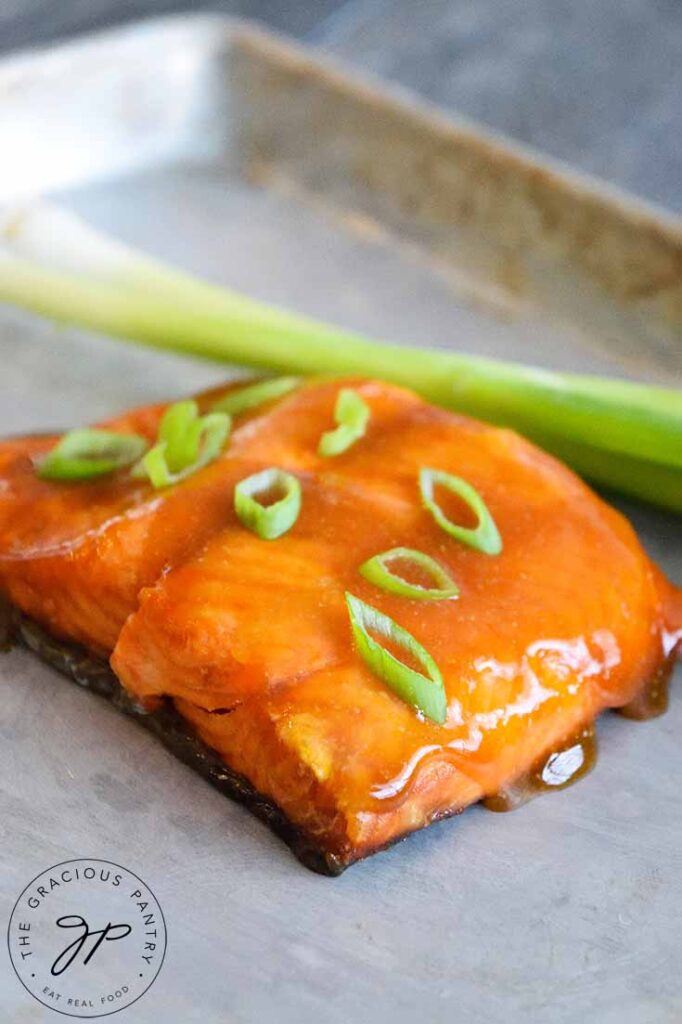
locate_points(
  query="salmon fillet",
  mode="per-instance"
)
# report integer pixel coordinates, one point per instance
(249, 639)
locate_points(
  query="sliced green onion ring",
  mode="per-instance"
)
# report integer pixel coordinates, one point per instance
(377, 570)
(253, 395)
(352, 415)
(86, 454)
(180, 432)
(484, 536)
(423, 691)
(186, 443)
(268, 521)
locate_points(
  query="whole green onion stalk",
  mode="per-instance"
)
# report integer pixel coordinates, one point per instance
(619, 434)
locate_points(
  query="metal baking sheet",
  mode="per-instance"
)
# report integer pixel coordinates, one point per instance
(247, 160)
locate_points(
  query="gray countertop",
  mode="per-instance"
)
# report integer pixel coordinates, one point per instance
(595, 84)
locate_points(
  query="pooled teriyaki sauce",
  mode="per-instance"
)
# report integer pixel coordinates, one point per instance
(576, 757)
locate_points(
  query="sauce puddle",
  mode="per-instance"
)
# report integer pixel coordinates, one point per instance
(578, 755)
(558, 770)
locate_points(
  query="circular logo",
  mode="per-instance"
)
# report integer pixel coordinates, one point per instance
(87, 938)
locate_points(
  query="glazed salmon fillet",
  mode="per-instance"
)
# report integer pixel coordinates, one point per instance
(249, 639)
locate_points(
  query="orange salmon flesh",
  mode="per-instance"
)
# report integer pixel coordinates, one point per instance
(250, 640)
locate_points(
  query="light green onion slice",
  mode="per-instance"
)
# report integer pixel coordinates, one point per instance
(423, 691)
(484, 536)
(86, 454)
(186, 443)
(268, 521)
(254, 395)
(352, 414)
(377, 570)
(179, 431)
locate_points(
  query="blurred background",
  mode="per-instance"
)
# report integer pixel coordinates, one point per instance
(597, 83)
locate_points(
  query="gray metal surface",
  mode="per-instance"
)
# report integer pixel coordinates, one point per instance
(172, 137)
(596, 84)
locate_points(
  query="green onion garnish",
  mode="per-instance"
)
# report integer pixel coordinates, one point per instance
(424, 691)
(186, 443)
(268, 521)
(254, 395)
(484, 536)
(86, 454)
(378, 572)
(351, 413)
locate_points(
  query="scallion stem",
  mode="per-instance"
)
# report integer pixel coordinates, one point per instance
(53, 264)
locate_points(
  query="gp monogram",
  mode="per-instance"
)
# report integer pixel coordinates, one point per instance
(87, 938)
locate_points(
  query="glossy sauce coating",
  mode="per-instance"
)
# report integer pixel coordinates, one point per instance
(251, 641)
(75, 556)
